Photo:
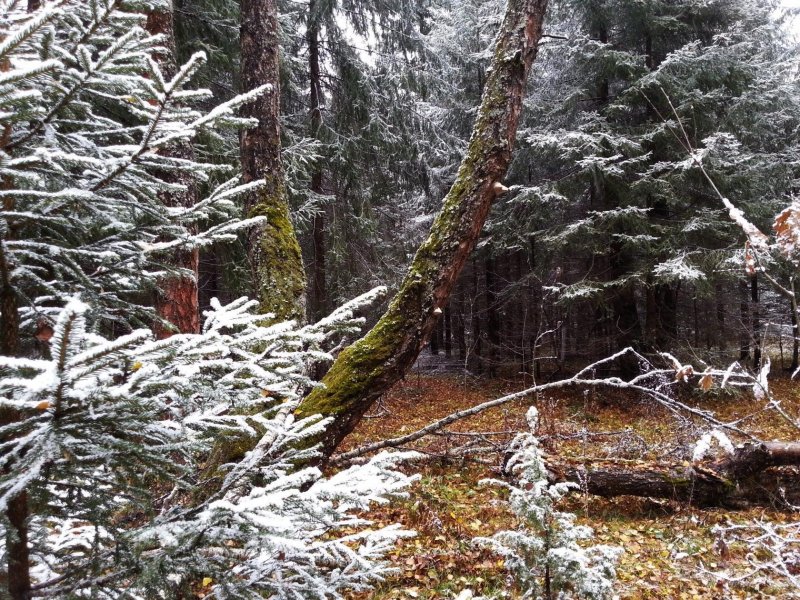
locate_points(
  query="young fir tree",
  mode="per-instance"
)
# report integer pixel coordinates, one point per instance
(544, 553)
(103, 430)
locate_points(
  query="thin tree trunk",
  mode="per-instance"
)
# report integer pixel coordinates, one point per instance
(476, 360)
(370, 366)
(176, 301)
(18, 554)
(720, 333)
(795, 339)
(457, 302)
(277, 265)
(756, 321)
(434, 342)
(744, 333)
(318, 266)
(492, 322)
(17, 551)
(447, 323)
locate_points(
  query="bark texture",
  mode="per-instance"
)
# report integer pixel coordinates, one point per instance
(747, 478)
(176, 300)
(370, 366)
(16, 535)
(276, 261)
(319, 290)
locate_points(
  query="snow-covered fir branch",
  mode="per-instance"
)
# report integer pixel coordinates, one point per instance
(102, 423)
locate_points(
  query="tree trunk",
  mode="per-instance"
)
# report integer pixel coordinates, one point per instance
(476, 347)
(434, 342)
(447, 323)
(721, 342)
(319, 294)
(744, 332)
(176, 301)
(744, 479)
(279, 280)
(16, 512)
(370, 366)
(756, 321)
(17, 553)
(795, 338)
(459, 333)
(492, 322)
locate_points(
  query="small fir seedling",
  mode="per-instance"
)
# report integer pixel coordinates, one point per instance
(544, 553)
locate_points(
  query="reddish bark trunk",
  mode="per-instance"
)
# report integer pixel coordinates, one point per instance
(176, 301)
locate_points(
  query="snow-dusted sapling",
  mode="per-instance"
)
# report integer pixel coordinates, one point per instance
(544, 553)
(109, 445)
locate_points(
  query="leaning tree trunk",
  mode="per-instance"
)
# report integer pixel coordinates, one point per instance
(276, 262)
(176, 301)
(370, 366)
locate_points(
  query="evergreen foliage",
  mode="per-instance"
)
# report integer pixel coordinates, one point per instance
(609, 117)
(104, 431)
(544, 554)
(87, 112)
(105, 423)
(365, 149)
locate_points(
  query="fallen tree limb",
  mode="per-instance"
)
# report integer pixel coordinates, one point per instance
(637, 384)
(746, 478)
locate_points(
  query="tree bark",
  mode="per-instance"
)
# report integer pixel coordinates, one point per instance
(17, 553)
(795, 338)
(176, 301)
(16, 535)
(744, 479)
(448, 331)
(370, 366)
(318, 266)
(492, 322)
(459, 326)
(744, 332)
(475, 362)
(279, 280)
(756, 321)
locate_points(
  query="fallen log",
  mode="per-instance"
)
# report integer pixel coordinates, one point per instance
(757, 474)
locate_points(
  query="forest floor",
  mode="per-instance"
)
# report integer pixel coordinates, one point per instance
(670, 549)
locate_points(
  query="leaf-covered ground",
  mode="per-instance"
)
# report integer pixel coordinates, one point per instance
(670, 549)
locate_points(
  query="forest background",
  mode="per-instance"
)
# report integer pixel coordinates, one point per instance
(655, 142)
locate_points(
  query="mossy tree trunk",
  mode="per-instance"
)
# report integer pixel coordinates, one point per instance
(370, 366)
(176, 301)
(278, 278)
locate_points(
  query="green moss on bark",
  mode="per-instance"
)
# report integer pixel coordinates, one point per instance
(370, 366)
(278, 263)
